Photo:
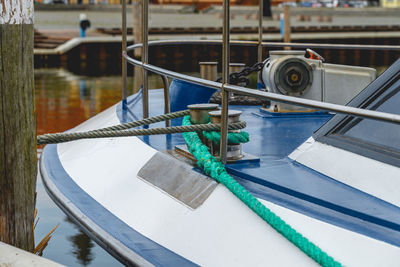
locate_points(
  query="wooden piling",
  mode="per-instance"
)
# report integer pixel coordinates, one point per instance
(17, 124)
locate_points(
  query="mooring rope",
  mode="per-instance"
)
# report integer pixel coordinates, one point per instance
(206, 161)
(111, 132)
(154, 119)
(233, 138)
(217, 170)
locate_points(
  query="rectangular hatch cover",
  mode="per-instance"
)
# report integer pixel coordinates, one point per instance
(178, 179)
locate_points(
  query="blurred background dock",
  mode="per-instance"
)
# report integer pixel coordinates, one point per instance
(57, 25)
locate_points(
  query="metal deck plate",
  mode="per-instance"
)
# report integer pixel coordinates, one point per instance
(178, 179)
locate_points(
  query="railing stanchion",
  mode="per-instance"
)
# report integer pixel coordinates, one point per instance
(145, 57)
(225, 80)
(124, 62)
(260, 35)
(167, 105)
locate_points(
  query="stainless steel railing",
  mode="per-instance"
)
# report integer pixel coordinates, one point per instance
(124, 44)
(357, 112)
(225, 86)
(145, 56)
(270, 44)
(225, 80)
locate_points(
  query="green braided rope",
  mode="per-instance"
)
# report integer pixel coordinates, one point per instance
(217, 171)
(233, 138)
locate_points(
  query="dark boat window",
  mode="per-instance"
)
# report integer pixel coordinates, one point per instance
(378, 132)
(375, 139)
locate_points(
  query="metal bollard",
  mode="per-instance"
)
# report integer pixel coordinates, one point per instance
(208, 70)
(199, 114)
(234, 152)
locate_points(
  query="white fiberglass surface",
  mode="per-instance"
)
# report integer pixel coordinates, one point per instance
(221, 232)
(368, 175)
(214, 234)
(349, 248)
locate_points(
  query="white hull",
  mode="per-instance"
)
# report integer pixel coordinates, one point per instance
(221, 232)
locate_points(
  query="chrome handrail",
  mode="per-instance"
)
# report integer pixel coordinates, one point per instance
(357, 112)
(270, 44)
(191, 41)
(336, 108)
(226, 87)
(333, 46)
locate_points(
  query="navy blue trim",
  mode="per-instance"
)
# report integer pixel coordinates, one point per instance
(289, 184)
(145, 247)
(315, 210)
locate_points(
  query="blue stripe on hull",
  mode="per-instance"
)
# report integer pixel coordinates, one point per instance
(146, 248)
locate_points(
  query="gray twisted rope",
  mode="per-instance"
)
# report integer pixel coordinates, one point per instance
(146, 121)
(66, 137)
(41, 138)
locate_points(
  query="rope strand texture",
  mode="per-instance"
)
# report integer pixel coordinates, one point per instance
(106, 132)
(66, 137)
(233, 138)
(217, 171)
(154, 119)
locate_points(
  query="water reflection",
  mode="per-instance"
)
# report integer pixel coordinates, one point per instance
(81, 246)
(64, 100)
(65, 246)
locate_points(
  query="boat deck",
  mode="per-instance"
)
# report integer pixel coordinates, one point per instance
(279, 179)
(96, 183)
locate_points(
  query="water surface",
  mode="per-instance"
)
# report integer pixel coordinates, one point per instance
(63, 100)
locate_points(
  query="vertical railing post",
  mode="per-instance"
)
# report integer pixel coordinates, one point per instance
(225, 80)
(145, 56)
(260, 33)
(137, 39)
(167, 105)
(124, 62)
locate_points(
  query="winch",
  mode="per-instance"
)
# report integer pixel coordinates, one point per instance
(289, 72)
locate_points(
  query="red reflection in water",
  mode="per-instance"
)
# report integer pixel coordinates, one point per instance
(64, 100)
